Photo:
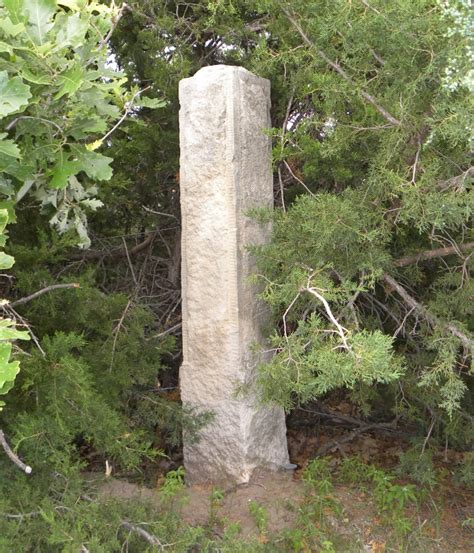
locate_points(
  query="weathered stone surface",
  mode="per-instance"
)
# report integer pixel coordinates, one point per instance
(225, 171)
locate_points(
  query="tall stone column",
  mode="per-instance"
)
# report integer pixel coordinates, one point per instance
(225, 171)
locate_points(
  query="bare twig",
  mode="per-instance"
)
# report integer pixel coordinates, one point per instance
(431, 254)
(282, 189)
(150, 538)
(15, 121)
(402, 324)
(128, 108)
(285, 314)
(340, 329)
(368, 97)
(168, 330)
(430, 430)
(129, 262)
(427, 315)
(323, 450)
(456, 183)
(123, 8)
(12, 455)
(116, 333)
(116, 252)
(346, 420)
(415, 163)
(298, 179)
(20, 516)
(9, 309)
(35, 295)
(368, 6)
(282, 145)
(162, 213)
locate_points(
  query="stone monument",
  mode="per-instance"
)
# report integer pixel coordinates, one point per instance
(225, 171)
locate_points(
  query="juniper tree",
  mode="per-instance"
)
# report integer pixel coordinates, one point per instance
(376, 247)
(367, 271)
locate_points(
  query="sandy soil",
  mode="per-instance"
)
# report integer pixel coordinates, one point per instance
(281, 494)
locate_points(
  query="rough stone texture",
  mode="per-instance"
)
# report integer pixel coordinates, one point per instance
(225, 170)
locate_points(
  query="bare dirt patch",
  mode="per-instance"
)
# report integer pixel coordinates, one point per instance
(436, 530)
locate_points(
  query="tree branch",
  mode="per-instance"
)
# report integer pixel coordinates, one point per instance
(116, 252)
(323, 450)
(150, 538)
(348, 421)
(456, 183)
(427, 315)
(430, 254)
(368, 97)
(128, 108)
(44, 291)
(122, 10)
(13, 457)
(341, 331)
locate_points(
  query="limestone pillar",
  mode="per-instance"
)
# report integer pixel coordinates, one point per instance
(225, 171)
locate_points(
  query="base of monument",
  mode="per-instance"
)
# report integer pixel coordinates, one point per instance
(225, 480)
(241, 438)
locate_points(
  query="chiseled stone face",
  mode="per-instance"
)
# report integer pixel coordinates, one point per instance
(225, 171)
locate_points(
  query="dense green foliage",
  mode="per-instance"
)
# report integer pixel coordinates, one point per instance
(381, 141)
(372, 131)
(56, 95)
(372, 118)
(87, 393)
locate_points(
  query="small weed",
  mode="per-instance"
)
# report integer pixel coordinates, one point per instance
(295, 539)
(313, 532)
(215, 500)
(319, 486)
(174, 482)
(353, 471)
(327, 547)
(259, 515)
(465, 473)
(418, 465)
(392, 499)
(232, 531)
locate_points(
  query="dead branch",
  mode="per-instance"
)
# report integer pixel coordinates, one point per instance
(431, 254)
(323, 450)
(456, 183)
(128, 109)
(115, 252)
(116, 334)
(150, 538)
(12, 455)
(431, 319)
(368, 97)
(282, 144)
(297, 179)
(127, 253)
(124, 8)
(170, 330)
(341, 331)
(9, 309)
(348, 421)
(35, 295)
(20, 516)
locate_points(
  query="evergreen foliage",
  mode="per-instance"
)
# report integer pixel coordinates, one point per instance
(372, 129)
(366, 275)
(380, 140)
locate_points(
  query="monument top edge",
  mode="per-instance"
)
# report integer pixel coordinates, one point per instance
(204, 72)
